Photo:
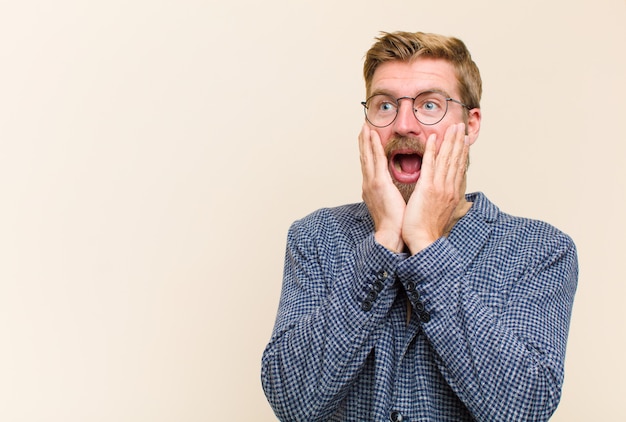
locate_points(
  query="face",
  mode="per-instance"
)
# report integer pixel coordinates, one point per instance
(404, 140)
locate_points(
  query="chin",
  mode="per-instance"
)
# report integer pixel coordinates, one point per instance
(406, 189)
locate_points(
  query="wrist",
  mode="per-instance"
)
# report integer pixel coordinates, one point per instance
(419, 243)
(390, 240)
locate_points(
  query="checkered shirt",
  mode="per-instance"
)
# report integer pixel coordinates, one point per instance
(490, 311)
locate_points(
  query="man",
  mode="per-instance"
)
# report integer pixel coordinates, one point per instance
(422, 303)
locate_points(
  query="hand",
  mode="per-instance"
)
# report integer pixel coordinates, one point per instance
(383, 199)
(431, 210)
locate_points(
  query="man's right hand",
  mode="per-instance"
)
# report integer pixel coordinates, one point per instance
(382, 197)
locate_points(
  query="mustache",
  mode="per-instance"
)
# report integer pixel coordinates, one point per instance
(404, 143)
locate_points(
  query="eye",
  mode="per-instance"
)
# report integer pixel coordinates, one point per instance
(383, 104)
(430, 103)
(386, 106)
(430, 106)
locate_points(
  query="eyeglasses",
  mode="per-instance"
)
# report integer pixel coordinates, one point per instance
(429, 108)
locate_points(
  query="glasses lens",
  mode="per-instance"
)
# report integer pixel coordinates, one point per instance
(430, 107)
(381, 110)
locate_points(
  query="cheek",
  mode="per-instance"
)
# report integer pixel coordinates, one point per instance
(439, 134)
(385, 136)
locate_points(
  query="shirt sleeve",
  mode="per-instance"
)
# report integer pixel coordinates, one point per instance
(334, 295)
(499, 326)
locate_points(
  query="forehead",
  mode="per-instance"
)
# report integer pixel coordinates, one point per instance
(409, 78)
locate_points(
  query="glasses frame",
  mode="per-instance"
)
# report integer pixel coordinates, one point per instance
(397, 102)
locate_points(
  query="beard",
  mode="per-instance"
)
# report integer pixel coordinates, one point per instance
(406, 189)
(412, 144)
(404, 143)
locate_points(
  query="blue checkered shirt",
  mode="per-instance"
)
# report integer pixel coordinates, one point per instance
(490, 311)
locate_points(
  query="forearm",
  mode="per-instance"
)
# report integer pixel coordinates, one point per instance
(323, 335)
(307, 369)
(497, 373)
(501, 351)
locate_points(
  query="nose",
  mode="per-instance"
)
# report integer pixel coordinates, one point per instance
(406, 124)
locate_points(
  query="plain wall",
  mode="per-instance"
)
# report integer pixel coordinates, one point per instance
(154, 153)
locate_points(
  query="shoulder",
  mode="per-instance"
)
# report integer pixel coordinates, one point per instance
(522, 232)
(532, 231)
(329, 231)
(336, 219)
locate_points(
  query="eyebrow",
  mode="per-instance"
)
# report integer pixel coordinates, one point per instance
(386, 92)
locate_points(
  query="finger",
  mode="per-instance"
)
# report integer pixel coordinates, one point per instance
(445, 155)
(373, 158)
(362, 142)
(462, 167)
(378, 153)
(365, 151)
(429, 160)
(458, 156)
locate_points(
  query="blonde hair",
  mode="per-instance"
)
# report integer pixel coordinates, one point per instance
(408, 46)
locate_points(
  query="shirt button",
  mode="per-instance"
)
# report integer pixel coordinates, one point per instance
(382, 275)
(366, 305)
(419, 306)
(410, 286)
(424, 316)
(371, 296)
(378, 286)
(396, 416)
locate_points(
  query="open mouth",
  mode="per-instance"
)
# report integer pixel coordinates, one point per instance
(405, 166)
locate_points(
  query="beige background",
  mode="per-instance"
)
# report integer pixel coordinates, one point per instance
(153, 154)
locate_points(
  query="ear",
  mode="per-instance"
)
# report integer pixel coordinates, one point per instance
(473, 124)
